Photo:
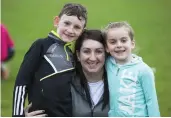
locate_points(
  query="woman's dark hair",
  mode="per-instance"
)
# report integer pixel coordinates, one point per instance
(97, 36)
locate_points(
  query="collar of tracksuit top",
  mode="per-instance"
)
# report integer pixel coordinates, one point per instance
(71, 44)
(135, 60)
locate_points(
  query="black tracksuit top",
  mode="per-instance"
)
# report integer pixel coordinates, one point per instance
(45, 75)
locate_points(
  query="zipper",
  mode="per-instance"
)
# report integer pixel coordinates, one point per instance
(93, 106)
(65, 46)
(92, 109)
(117, 71)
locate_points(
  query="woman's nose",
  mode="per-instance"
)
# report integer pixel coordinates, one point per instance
(92, 57)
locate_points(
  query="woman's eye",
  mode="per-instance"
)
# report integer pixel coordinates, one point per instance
(99, 51)
(86, 51)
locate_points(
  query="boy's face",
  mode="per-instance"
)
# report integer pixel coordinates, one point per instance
(69, 28)
(119, 44)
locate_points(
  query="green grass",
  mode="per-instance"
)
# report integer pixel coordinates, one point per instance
(28, 20)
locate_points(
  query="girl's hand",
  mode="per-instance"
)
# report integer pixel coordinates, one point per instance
(37, 113)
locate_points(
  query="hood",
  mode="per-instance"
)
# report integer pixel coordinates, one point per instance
(136, 60)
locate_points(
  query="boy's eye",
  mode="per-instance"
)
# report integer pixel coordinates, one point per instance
(77, 27)
(66, 23)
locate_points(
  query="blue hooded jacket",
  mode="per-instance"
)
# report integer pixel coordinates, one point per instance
(132, 89)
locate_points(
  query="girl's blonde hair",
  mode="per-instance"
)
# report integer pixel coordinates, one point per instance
(124, 24)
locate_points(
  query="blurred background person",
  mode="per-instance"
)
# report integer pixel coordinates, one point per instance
(7, 51)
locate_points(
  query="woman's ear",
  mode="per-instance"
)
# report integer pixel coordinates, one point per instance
(56, 21)
(78, 55)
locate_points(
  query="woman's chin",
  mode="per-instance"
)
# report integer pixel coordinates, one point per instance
(93, 70)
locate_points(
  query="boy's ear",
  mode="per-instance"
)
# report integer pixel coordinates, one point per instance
(56, 21)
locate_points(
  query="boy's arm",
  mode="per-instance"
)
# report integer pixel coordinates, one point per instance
(148, 84)
(24, 78)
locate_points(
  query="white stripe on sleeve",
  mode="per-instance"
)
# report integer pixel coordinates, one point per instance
(16, 90)
(19, 100)
(22, 101)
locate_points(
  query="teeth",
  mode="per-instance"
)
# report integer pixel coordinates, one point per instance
(120, 51)
(92, 64)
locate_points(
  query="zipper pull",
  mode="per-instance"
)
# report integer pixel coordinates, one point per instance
(117, 71)
(42, 91)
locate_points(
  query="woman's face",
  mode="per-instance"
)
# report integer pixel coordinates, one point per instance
(92, 56)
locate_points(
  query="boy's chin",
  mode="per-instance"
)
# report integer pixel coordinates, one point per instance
(68, 40)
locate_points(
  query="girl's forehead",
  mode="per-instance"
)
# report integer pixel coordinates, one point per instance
(117, 32)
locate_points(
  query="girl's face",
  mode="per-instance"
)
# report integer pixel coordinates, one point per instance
(91, 56)
(119, 44)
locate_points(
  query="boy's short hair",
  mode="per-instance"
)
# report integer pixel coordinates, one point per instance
(74, 9)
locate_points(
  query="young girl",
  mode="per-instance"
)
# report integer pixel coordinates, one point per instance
(131, 81)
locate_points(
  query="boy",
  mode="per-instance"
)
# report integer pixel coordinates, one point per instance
(131, 81)
(47, 68)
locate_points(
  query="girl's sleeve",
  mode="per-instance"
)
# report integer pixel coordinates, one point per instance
(25, 77)
(148, 84)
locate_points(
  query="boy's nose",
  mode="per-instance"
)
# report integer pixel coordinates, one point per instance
(70, 29)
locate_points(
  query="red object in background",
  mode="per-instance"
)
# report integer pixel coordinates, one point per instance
(6, 43)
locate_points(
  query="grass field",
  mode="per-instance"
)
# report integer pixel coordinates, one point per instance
(28, 20)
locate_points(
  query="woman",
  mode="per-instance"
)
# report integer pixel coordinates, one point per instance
(89, 86)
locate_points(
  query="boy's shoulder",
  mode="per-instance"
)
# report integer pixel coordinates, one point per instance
(42, 42)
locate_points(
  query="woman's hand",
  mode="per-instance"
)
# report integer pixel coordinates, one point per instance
(37, 113)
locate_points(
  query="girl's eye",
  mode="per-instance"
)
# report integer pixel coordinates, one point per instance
(113, 42)
(123, 41)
